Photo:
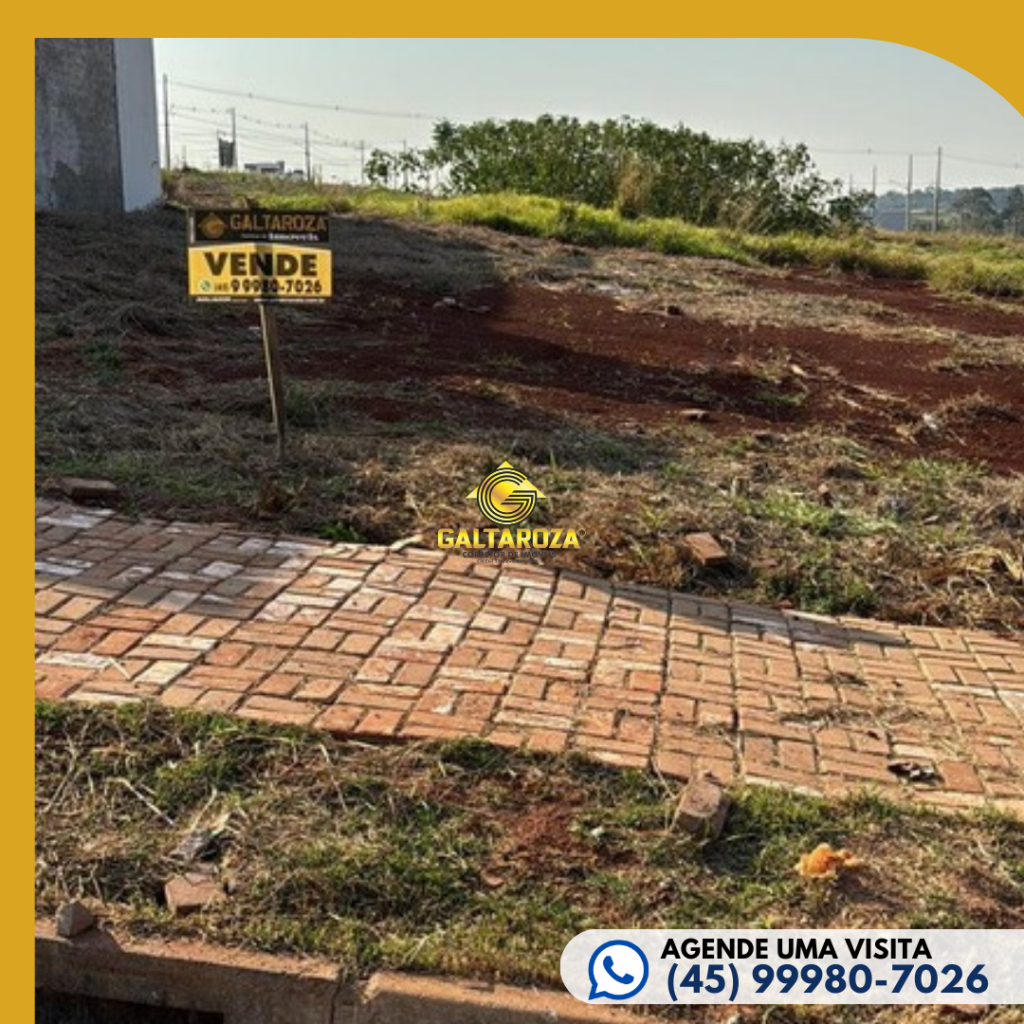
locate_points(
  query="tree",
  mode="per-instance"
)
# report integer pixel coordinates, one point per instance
(638, 167)
(1013, 212)
(381, 168)
(977, 211)
(851, 212)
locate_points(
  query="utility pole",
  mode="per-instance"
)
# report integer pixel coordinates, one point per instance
(309, 165)
(908, 220)
(167, 129)
(938, 191)
(874, 194)
(362, 161)
(234, 141)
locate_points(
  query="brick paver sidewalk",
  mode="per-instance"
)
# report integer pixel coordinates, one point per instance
(419, 643)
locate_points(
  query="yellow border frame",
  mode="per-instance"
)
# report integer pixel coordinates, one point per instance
(988, 48)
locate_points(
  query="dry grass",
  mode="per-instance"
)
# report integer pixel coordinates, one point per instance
(463, 858)
(166, 399)
(914, 540)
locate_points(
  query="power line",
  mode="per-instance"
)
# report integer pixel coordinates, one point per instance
(310, 105)
(983, 163)
(200, 110)
(367, 112)
(863, 152)
(320, 137)
(270, 136)
(416, 115)
(925, 153)
(197, 120)
(270, 124)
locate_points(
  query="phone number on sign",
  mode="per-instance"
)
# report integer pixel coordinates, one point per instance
(922, 978)
(275, 286)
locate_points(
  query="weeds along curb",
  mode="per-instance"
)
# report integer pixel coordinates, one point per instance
(238, 987)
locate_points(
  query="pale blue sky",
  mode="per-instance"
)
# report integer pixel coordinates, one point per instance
(833, 94)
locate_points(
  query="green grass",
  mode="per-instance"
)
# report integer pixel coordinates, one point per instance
(793, 511)
(462, 857)
(950, 263)
(815, 582)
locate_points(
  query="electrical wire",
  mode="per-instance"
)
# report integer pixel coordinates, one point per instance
(310, 105)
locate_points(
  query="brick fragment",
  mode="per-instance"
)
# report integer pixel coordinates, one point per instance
(702, 809)
(706, 549)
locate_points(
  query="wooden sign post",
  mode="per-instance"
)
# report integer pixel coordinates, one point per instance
(262, 256)
(272, 357)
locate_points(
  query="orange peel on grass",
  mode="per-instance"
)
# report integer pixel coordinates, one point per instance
(824, 862)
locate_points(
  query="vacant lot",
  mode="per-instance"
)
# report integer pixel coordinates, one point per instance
(467, 859)
(856, 443)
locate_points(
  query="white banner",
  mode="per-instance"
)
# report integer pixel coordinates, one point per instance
(795, 966)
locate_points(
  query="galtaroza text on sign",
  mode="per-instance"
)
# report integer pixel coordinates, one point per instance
(259, 255)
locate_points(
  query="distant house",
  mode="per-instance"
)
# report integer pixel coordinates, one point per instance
(266, 167)
(274, 167)
(97, 148)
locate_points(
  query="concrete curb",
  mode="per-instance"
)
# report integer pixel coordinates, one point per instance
(257, 988)
(416, 999)
(245, 987)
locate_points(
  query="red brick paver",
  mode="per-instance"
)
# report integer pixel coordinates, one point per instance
(376, 643)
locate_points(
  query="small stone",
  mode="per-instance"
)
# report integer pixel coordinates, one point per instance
(74, 918)
(81, 489)
(192, 891)
(197, 845)
(825, 495)
(702, 809)
(706, 549)
(695, 415)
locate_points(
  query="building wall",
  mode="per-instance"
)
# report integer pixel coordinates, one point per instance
(96, 132)
(78, 156)
(137, 127)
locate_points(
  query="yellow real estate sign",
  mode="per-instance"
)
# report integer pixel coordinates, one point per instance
(259, 270)
(261, 255)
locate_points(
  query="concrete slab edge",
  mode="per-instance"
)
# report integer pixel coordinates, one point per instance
(247, 988)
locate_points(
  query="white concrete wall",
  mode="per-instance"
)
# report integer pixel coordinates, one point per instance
(137, 123)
